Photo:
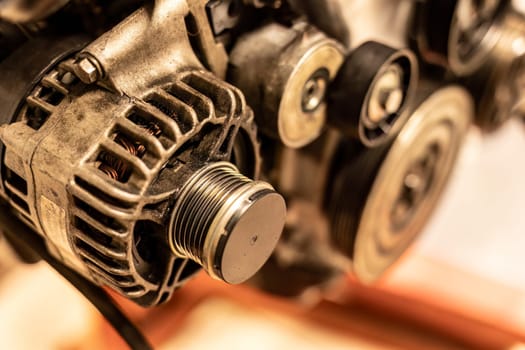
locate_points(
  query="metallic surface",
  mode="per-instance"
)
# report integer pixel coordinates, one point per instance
(473, 35)
(284, 73)
(132, 151)
(497, 84)
(153, 44)
(410, 180)
(459, 34)
(107, 160)
(226, 222)
(373, 93)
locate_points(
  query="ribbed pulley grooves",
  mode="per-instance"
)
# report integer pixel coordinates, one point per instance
(200, 206)
(226, 222)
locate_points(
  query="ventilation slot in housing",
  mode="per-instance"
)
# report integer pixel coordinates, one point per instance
(183, 119)
(46, 96)
(98, 236)
(103, 195)
(16, 189)
(107, 221)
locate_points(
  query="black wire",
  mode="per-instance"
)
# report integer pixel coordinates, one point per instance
(20, 234)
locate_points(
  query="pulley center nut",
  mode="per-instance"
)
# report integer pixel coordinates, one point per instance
(387, 94)
(226, 222)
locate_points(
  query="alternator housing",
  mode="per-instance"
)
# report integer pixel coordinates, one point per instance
(93, 218)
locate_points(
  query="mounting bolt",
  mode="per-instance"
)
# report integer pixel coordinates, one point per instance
(314, 92)
(87, 71)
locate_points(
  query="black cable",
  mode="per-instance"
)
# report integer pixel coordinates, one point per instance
(20, 234)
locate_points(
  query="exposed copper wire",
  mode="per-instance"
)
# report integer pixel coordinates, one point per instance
(116, 168)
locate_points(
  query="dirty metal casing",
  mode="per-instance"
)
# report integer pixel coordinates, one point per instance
(155, 42)
(96, 169)
(95, 223)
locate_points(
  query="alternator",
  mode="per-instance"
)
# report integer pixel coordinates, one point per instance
(131, 181)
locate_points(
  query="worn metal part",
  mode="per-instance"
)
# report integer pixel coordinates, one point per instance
(224, 15)
(87, 71)
(459, 34)
(284, 73)
(102, 204)
(360, 208)
(472, 36)
(22, 73)
(497, 83)
(373, 93)
(403, 182)
(326, 15)
(153, 44)
(388, 192)
(90, 178)
(106, 163)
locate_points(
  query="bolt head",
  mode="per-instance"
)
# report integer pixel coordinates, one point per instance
(314, 92)
(86, 71)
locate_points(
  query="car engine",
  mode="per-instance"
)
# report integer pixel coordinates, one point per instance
(280, 143)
